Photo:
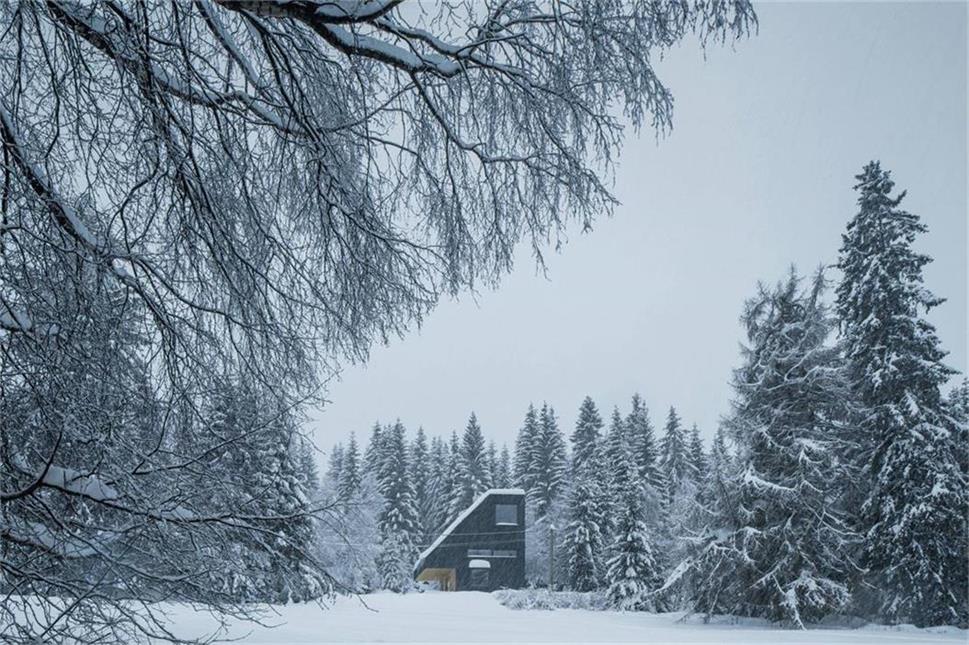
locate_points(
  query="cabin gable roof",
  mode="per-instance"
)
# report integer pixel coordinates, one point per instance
(461, 518)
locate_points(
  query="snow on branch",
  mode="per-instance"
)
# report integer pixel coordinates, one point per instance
(73, 481)
(14, 318)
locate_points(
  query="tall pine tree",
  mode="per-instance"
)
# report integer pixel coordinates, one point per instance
(698, 458)
(419, 464)
(585, 437)
(588, 502)
(371, 456)
(642, 443)
(438, 488)
(787, 555)
(549, 465)
(335, 463)
(350, 474)
(398, 525)
(472, 476)
(584, 536)
(524, 448)
(675, 455)
(633, 574)
(914, 515)
(502, 477)
(958, 404)
(492, 460)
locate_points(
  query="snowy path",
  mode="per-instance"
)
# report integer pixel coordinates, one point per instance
(477, 617)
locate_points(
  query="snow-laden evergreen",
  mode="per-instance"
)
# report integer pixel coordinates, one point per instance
(785, 552)
(372, 454)
(440, 478)
(502, 475)
(633, 574)
(675, 454)
(524, 447)
(958, 407)
(642, 443)
(420, 478)
(589, 502)
(548, 469)
(398, 521)
(914, 513)
(335, 463)
(585, 437)
(492, 462)
(714, 494)
(584, 535)
(614, 446)
(350, 474)
(472, 476)
(698, 458)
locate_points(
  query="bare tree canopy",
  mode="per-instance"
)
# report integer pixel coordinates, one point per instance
(207, 202)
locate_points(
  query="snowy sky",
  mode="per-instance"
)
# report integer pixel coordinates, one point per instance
(756, 174)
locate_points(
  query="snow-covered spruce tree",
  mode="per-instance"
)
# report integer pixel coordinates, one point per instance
(708, 556)
(549, 463)
(675, 454)
(698, 457)
(642, 443)
(373, 454)
(263, 232)
(674, 496)
(787, 556)
(308, 471)
(714, 503)
(293, 578)
(419, 475)
(585, 437)
(492, 461)
(588, 503)
(958, 406)
(524, 448)
(714, 495)
(399, 528)
(913, 517)
(450, 483)
(438, 488)
(334, 464)
(585, 536)
(613, 445)
(471, 476)
(680, 515)
(503, 471)
(350, 471)
(633, 574)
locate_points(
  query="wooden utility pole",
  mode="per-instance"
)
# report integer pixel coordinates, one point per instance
(551, 556)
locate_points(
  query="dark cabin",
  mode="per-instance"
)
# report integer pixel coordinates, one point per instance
(483, 549)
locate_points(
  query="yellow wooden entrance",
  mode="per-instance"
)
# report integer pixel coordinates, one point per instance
(446, 579)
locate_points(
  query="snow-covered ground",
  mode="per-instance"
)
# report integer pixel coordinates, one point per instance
(477, 617)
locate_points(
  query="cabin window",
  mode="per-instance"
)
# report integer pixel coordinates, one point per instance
(506, 514)
(488, 553)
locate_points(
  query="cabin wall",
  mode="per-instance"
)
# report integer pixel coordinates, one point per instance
(480, 532)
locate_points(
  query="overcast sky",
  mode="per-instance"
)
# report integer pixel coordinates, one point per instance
(757, 174)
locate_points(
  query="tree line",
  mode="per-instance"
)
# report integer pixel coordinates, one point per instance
(836, 483)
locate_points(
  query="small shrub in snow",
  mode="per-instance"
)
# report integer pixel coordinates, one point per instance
(549, 600)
